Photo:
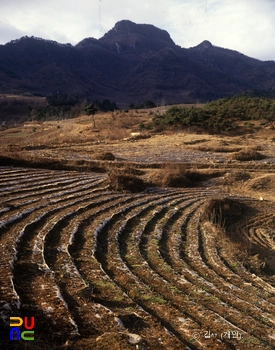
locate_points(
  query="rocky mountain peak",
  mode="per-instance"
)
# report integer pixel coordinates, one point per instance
(127, 36)
(205, 45)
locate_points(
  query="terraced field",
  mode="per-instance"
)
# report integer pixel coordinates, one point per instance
(100, 269)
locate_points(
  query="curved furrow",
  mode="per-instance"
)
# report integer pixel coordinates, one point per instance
(49, 184)
(51, 178)
(90, 182)
(203, 285)
(25, 186)
(26, 181)
(13, 173)
(18, 215)
(113, 296)
(52, 193)
(256, 222)
(14, 241)
(58, 242)
(82, 258)
(260, 234)
(251, 282)
(242, 291)
(264, 236)
(175, 281)
(257, 285)
(8, 179)
(243, 300)
(39, 281)
(9, 260)
(38, 291)
(11, 232)
(194, 255)
(145, 290)
(21, 210)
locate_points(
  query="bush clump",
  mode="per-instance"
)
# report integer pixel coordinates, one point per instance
(104, 156)
(219, 115)
(236, 176)
(126, 182)
(171, 175)
(175, 180)
(222, 211)
(248, 154)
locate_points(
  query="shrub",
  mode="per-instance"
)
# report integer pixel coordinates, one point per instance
(222, 211)
(104, 156)
(171, 175)
(125, 182)
(248, 154)
(175, 180)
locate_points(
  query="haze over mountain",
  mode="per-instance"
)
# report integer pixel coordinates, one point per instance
(131, 63)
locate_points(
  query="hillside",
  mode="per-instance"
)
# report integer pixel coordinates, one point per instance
(131, 63)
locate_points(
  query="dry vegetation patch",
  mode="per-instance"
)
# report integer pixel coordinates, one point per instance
(262, 183)
(121, 180)
(216, 144)
(104, 156)
(171, 175)
(222, 211)
(179, 175)
(261, 187)
(248, 154)
(168, 175)
(219, 149)
(236, 176)
(194, 142)
(228, 216)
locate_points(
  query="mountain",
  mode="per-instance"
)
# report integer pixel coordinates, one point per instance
(131, 63)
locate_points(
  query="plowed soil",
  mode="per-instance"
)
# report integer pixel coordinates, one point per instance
(160, 268)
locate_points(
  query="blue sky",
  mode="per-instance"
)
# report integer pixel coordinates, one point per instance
(247, 26)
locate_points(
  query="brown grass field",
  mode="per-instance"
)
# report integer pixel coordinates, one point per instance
(113, 238)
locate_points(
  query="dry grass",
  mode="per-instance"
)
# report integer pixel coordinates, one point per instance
(109, 126)
(178, 175)
(114, 133)
(235, 176)
(248, 154)
(198, 175)
(261, 186)
(170, 175)
(195, 142)
(241, 250)
(253, 262)
(219, 149)
(126, 178)
(222, 211)
(119, 181)
(104, 156)
(226, 215)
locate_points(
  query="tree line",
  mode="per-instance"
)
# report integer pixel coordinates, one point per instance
(220, 114)
(61, 106)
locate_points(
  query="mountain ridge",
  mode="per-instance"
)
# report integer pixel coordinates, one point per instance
(131, 63)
